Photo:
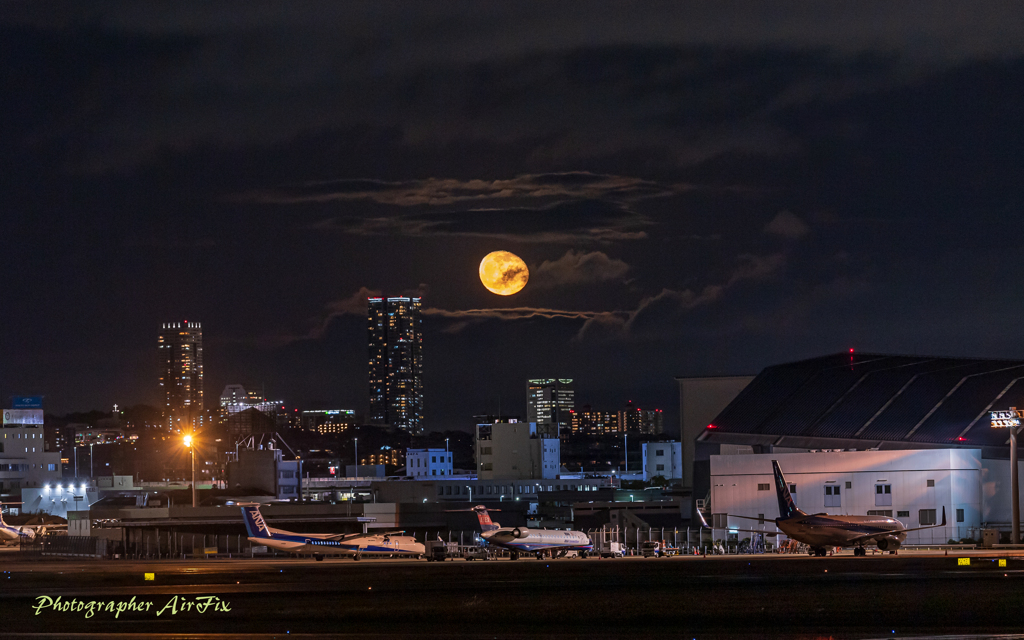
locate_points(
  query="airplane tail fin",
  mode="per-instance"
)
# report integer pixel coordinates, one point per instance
(787, 508)
(486, 524)
(2, 504)
(255, 526)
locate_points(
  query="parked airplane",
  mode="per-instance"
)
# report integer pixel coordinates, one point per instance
(821, 530)
(25, 532)
(328, 544)
(522, 540)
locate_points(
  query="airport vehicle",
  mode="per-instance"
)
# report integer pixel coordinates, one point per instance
(520, 540)
(820, 531)
(21, 533)
(650, 549)
(476, 553)
(438, 550)
(609, 549)
(319, 545)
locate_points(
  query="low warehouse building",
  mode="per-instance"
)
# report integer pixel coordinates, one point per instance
(877, 409)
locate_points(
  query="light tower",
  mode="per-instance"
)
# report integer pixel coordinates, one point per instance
(1010, 420)
(188, 443)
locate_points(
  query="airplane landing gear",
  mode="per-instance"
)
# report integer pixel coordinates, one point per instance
(859, 551)
(818, 551)
(514, 555)
(318, 557)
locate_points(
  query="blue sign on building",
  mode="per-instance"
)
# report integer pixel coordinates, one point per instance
(27, 402)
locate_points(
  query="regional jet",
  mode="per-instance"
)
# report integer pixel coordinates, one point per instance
(328, 544)
(26, 533)
(522, 540)
(821, 530)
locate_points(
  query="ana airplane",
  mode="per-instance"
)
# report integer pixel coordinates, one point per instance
(522, 540)
(821, 530)
(25, 532)
(328, 544)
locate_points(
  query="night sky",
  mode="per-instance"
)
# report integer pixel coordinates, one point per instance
(699, 189)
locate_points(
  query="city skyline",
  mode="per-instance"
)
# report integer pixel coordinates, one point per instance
(695, 190)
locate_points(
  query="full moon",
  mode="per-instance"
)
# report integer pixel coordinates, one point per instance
(503, 273)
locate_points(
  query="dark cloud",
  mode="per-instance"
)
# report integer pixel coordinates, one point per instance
(696, 82)
(561, 222)
(787, 225)
(433, 191)
(576, 268)
(700, 188)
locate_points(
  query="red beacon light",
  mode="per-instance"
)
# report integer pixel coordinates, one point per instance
(961, 439)
(711, 426)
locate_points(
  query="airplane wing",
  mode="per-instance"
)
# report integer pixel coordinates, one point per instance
(761, 520)
(341, 537)
(872, 536)
(773, 532)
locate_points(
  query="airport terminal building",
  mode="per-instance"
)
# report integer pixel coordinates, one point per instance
(866, 417)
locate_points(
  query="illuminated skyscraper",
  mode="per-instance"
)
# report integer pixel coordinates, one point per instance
(181, 373)
(643, 420)
(549, 403)
(395, 333)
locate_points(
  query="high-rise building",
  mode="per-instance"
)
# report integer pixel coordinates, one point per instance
(395, 333)
(181, 373)
(591, 422)
(643, 420)
(549, 403)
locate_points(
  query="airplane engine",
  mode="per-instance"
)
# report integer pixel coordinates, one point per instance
(520, 533)
(888, 544)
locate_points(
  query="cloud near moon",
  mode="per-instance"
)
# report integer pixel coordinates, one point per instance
(503, 273)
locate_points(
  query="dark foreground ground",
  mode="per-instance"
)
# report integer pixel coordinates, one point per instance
(750, 597)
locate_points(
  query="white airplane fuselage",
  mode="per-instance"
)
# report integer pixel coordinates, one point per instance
(321, 544)
(327, 544)
(533, 540)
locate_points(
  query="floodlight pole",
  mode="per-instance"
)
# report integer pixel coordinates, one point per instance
(1014, 486)
(193, 450)
(1011, 420)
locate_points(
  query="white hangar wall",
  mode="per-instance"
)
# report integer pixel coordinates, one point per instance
(917, 480)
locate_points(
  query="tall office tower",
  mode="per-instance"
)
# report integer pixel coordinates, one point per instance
(181, 374)
(549, 403)
(395, 333)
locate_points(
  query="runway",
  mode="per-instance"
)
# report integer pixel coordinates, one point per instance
(717, 597)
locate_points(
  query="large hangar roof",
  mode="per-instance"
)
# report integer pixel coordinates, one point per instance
(888, 400)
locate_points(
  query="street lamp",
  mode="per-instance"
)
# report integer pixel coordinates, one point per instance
(356, 441)
(1010, 420)
(188, 443)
